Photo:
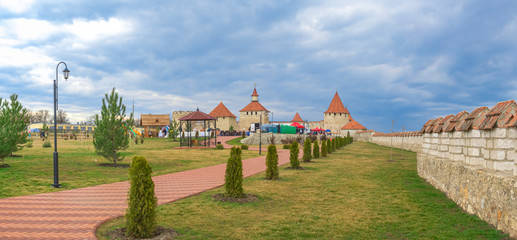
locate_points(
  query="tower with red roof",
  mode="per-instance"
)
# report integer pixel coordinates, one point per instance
(336, 116)
(252, 112)
(225, 118)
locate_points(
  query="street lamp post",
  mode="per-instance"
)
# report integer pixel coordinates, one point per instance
(66, 72)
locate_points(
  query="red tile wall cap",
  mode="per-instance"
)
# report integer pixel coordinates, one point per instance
(353, 125)
(426, 124)
(254, 107)
(431, 126)
(336, 106)
(456, 121)
(472, 117)
(297, 118)
(365, 131)
(498, 115)
(440, 125)
(512, 122)
(221, 111)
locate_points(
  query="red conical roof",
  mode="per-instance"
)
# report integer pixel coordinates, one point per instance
(221, 111)
(353, 125)
(254, 92)
(253, 107)
(297, 118)
(336, 106)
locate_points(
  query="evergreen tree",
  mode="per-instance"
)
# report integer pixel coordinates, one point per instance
(329, 145)
(14, 120)
(272, 163)
(333, 144)
(233, 176)
(293, 158)
(307, 150)
(323, 148)
(173, 129)
(142, 202)
(316, 150)
(112, 131)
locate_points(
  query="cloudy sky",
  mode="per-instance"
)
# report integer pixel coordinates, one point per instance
(407, 61)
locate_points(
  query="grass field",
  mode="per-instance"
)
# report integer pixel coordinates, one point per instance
(355, 193)
(32, 172)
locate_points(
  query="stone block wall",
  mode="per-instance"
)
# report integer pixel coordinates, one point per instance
(411, 141)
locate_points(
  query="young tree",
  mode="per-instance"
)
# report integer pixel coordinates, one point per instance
(293, 158)
(14, 120)
(142, 202)
(323, 148)
(111, 133)
(173, 129)
(233, 176)
(307, 150)
(272, 163)
(316, 150)
(329, 145)
(333, 145)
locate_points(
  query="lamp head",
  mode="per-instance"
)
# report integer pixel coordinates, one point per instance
(66, 73)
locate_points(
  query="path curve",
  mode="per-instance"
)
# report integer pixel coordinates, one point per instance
(76, 213)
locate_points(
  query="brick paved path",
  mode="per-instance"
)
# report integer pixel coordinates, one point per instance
(75, 214)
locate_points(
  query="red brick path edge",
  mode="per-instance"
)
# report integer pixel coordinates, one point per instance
(76, 213)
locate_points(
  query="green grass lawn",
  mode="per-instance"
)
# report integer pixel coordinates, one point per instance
(235, 141)
(355, 193)
(32, 172)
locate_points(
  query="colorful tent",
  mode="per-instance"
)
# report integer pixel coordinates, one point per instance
(317, 129)
(297, 125)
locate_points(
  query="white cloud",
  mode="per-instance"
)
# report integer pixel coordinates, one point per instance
(18, 6)
(88, 31)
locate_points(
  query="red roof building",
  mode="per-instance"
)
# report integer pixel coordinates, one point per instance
(353, 125)
(221, 111)
(297, 118)
(336, 106)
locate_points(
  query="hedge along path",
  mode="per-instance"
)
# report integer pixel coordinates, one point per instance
(76, 213)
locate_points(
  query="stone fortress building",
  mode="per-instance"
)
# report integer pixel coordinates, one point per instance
(225, 119)
(252, 113)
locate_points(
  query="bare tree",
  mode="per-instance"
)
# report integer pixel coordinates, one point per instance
(62, 117)
(90, 120)
(41, 116)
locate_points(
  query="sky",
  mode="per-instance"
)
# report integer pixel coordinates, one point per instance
(407, 61)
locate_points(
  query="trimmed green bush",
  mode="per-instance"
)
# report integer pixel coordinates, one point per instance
(316, 150)
(244, 147)
(323, 148)
(329, 145)
(46, 144)
(29, 144)
(333, 144)
(307, 150)
(293, 159)
(219, 147)
(272, 163)
(142, 202)
(233, 176)
(287, 146)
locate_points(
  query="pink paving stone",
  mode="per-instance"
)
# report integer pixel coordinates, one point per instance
(76, 213)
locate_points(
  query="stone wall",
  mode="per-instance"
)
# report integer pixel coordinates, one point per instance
(411, 141)
(247, 118)
(334, 121)
(224, 123)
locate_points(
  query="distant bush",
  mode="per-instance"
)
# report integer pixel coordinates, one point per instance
(316, 150)
(329, 145)
(272, 139)
(219, 147)
(29, 144)
(323, 148)
(287, 146)
(47, 144)
(244, 147)
(142, 140)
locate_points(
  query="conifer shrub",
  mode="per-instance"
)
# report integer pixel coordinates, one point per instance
(243, 134)
(46, 144)
(272, 163)
(307, 150)
(142, 140)
(329, 146)
(323, 148)
(136, 140)
(348, 134)
(219, 147)
(245, 147)
(141, 212)
(286, 146)
(333, 145)
(233, 176)
(293, 158)
(316, 150)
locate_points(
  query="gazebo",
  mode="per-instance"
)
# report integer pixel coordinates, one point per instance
(187, 120)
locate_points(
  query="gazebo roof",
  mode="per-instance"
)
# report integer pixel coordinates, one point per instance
(197, 116)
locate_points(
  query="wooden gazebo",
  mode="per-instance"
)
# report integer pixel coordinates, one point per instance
(196, 116)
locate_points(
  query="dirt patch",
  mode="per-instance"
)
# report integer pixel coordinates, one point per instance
(161, 233)
(118, 165)
(4, 165)
(247, 198)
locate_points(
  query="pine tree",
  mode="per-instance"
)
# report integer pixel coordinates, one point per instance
(293, 158)
(233, 176)
(14, 120)
(112, 131)
(333, 145)
(142, 202)
(323, 148)
(316, 150)
(329, 145)
(307, 150)
(173, 129)
(272, 163)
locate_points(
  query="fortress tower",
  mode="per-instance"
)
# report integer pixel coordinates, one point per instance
(336, 115)
(252, 112)
(225, 118)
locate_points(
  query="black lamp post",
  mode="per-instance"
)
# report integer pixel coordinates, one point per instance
(66, 72)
